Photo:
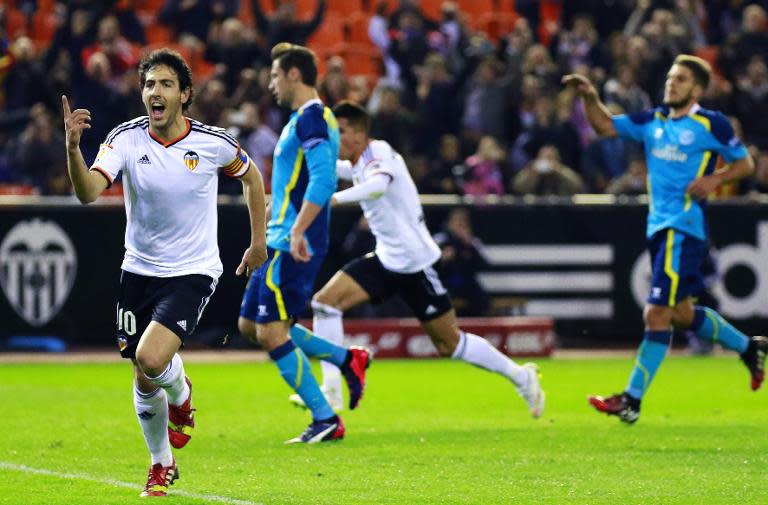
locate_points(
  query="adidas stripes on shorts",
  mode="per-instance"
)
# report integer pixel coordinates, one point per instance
(422, 291)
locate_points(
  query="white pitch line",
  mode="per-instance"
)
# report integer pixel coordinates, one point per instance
(4, 465)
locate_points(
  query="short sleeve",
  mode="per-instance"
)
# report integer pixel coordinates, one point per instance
(110, 160)
(727, 144)
(234, 161)
(311, 128)
(632, 125)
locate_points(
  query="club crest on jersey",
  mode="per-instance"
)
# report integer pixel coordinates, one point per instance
(191, 159)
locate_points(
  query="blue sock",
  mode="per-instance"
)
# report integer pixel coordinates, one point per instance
(294, 367)
(317, 347)
(649, 357)
(710, 325)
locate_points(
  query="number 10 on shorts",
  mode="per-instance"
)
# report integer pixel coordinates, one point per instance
(126, 321)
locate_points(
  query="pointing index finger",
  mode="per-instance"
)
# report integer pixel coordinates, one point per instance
(65, 104)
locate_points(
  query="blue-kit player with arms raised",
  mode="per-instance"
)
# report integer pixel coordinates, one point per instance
(303, 180)
(682, 141)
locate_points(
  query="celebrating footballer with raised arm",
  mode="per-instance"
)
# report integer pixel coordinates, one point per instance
(682, 142)
(403, 261)
(170, 166)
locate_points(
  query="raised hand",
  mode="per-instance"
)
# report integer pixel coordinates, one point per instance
(581, 84)
(75, 121)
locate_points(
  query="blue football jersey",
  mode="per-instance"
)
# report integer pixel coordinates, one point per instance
(678, 151)
(304, 168)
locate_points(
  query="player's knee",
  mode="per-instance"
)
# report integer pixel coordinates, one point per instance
(657, 318)
(149, 362)
(247, 328)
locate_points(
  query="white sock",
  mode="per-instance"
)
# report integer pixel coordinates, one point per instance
(172, 381)
(152, 413)
(480, 352)
(327, 323)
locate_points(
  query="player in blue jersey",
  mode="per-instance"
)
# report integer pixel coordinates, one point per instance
(682, 141)
(303, 180)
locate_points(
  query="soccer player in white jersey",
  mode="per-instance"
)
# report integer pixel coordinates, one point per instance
(170, 166)
(403, 261)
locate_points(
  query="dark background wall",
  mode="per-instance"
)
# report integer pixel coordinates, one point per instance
(616, 232)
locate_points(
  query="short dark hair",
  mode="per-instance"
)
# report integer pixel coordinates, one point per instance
(175, 62)
(702, 71)
(356, 115)
(294, 55)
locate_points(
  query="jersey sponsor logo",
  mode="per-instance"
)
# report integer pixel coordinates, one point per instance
(144, 160)
(38, 264)
(670, 153)
(182, 324)
(687, 137)
(191, 159)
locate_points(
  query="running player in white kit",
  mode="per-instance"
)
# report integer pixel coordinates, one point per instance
(402, 264)
(170, 166)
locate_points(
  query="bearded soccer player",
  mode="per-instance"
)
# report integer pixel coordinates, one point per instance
(682, 142)
(402, 264)
(303, 180)
(170, 166)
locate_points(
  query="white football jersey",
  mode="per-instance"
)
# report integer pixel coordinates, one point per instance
(403, 242)
(170, 195)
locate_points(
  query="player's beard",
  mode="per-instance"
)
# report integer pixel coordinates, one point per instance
(681, 103)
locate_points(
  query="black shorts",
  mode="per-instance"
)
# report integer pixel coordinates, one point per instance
(422, 291)
(175, 302)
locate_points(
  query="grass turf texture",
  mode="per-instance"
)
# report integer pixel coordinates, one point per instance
(432, 432)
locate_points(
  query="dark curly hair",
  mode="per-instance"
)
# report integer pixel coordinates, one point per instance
(175, 62)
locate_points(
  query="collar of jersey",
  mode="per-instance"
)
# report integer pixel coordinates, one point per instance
(694, 109)
(308, 103)
(177, 139)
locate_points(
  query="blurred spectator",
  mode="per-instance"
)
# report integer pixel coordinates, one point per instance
(210, 102)
(605, 159)
(486, 107)
(258, 139)
(633, 182)
(482, 173)
(39, 157)
(392, 122)
(461, 260)
(408, 48)
(282, 25)
(546, 175)
(751, 102)
(438, 109)
(552, 126)
(624, 91)
(440, 178)
(537, 61)
(578, 46)
(121, 54)
(378, 32)
(234, 45)
(751, 40)
(334, 86)
(194, 17)
(25, 83)
(96, 93)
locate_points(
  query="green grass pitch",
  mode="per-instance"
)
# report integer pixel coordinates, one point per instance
(427, 432)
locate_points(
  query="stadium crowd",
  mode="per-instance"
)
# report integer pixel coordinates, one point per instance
(473, 100)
